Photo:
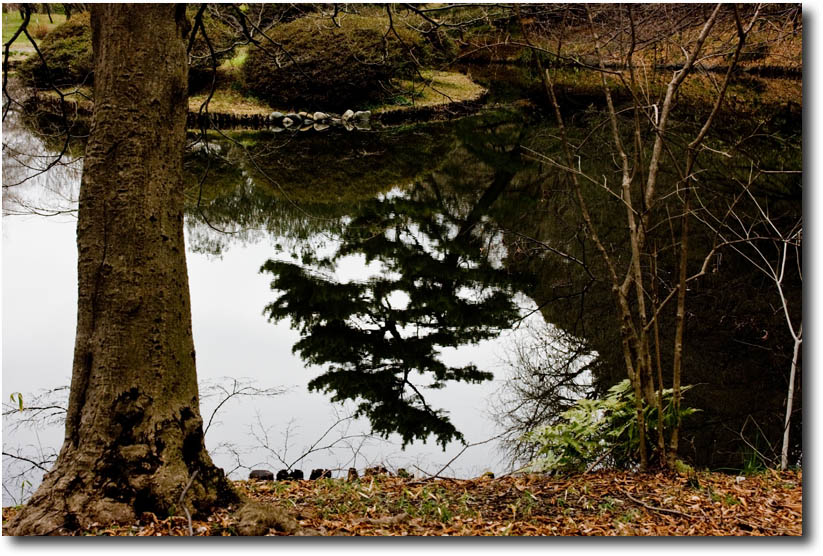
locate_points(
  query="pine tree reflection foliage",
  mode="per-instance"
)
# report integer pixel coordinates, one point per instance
(381, 337)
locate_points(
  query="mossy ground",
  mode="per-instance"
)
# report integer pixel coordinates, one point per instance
(228, 100)
(323, 66)
(434, 87)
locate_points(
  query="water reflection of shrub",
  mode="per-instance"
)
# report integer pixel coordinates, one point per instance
(302, 187)
(335, 167)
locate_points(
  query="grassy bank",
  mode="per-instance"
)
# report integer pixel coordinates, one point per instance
(39, 26)
(434, 88)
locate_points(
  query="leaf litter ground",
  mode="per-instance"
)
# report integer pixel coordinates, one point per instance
(604, 503)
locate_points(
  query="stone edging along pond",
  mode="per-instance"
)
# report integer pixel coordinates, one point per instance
(277, 121)
(349, 120)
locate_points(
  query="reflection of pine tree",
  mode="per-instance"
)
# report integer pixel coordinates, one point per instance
(438, 288)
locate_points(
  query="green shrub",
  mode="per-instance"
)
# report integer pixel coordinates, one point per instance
(603, 430)
(67, 51)
(324, 67)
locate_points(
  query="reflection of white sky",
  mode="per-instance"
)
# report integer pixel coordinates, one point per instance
(233, 339)
(57, 180)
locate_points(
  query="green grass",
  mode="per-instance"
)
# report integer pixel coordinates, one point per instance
(235, 63)
(439, 87)
(12, 22)
(230, 101)
(629, 516)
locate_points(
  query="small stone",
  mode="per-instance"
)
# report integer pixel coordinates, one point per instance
(261, 475)
(288, 122)
(306, 127)
(320, 474)
(296, 475)
(283, 475)
(277, 129)
(377, 470)
(255, 519)
(276, 115)
(347, 115)
(321, 127)
(318, 116)
(403, 474)
(348, 125)
(362, 125)
(362, 115)
(352, 476)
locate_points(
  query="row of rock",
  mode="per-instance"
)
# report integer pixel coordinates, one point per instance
(297, 474)
(320, 121)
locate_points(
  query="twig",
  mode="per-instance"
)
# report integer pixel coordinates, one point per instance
(598, 460)
(754, 526)
(466, 447)
(27, 460)
(657, 509)
(182, 495)
(237, 390)
(424, 471)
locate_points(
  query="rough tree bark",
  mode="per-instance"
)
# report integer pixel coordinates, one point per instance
(134, 437)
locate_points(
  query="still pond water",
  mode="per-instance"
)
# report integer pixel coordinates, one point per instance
(440, 241)
(432, 193)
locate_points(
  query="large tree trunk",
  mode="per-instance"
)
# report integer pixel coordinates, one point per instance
(134, 437)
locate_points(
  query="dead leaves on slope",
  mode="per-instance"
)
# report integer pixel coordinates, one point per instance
(603, 504)
(610, 503)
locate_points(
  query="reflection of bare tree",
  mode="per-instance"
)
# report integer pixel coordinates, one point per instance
(228, 388)
(23, 463)
(36, 180)
(549, 371)
(29, 160)
(771, 240)
(41, 414)
(29, 417)
(44, 409)
(642, 148)
(341, 437)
